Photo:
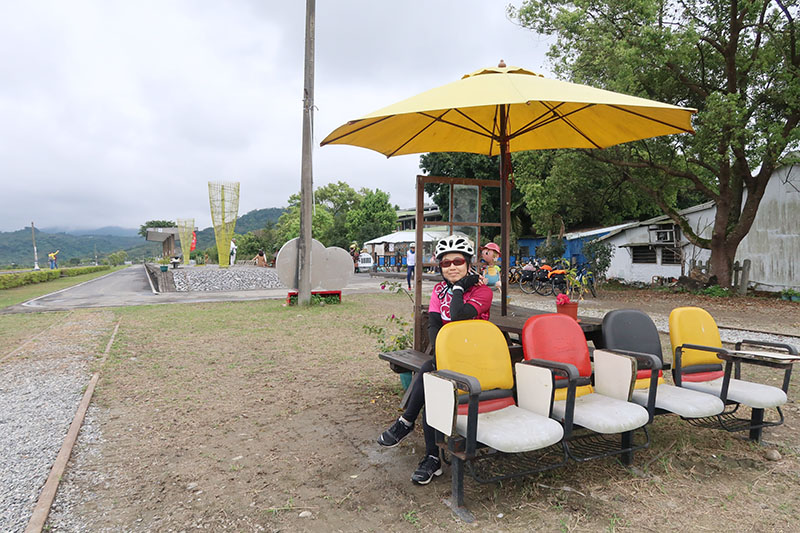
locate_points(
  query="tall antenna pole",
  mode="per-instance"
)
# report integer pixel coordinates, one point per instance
(35, 254)
(306, 179)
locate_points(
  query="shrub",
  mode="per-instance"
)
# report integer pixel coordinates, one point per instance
(716, 290)
(9, 281)
(18, 279)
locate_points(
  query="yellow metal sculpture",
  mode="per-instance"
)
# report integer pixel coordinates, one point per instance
(185, 229)
(223, 197)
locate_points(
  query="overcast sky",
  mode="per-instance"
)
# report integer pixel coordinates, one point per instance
(115, 112)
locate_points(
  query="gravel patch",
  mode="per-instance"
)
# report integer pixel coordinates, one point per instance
(76, 487)
(239, 278)
(40, 389)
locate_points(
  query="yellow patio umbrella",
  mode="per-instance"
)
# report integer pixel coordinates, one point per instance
(514, 107)
(509, 109)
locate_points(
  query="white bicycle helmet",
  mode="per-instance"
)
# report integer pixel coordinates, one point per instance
(454, 243)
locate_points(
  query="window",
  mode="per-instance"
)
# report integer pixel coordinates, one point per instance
(671, 256)
(664, 233)
(643, 254)
(524, 251)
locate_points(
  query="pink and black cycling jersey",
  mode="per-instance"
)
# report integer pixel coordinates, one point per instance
(478, 296)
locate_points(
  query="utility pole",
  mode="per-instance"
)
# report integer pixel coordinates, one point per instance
(306, 178)
(35, 254)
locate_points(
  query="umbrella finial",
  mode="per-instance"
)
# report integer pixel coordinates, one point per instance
(501, 64)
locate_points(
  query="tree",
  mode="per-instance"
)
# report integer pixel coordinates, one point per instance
(565, 189)
(155, 224)
(339, 198)
(289, 223)
(737, 62)
(265, 239)
(117, 258)
(374, 216)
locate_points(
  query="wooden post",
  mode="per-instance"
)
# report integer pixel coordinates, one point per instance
(505, 214)
(418, 333)
(306, 180)
(744, 278)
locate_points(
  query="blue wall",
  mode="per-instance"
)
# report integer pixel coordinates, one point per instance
(573, 250)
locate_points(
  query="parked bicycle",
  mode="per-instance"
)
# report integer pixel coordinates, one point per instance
(586, 278)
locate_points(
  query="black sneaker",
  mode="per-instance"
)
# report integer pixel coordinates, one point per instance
(392, 436)
(429, 467)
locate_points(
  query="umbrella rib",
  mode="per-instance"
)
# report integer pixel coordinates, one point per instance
(650, 118)
(478, 124)
(534, 124)
(555, 118)
(563, 118)
(434, 119)
(476, 132)
(342, 136)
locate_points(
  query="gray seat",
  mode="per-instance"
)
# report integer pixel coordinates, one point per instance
(631, 330)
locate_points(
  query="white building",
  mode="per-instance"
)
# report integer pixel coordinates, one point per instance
(656, 247)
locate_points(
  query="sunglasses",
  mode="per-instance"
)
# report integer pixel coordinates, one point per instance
(458, 261)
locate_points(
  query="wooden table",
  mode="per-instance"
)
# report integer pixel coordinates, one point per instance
(513, 322)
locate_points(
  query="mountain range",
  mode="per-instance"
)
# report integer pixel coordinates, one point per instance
(16, 247)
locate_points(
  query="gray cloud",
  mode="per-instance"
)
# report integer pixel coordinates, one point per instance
(118, 112)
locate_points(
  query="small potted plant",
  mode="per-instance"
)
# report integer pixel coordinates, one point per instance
(164, 262)
(576, 285)
(566, 306)
(790, 295)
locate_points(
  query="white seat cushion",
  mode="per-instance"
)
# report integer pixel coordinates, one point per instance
(684, 402)
(745, 392)
(602, 414)
(514, 430)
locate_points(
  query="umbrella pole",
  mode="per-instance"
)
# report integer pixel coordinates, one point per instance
(505, 213)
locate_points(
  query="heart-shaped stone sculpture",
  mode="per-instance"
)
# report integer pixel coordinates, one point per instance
(331, 268)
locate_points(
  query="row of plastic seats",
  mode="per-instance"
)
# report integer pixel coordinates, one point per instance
(558, 401)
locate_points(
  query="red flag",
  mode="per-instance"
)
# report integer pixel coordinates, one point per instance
(194, 241)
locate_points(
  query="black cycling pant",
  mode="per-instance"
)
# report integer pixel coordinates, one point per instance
(416, 401)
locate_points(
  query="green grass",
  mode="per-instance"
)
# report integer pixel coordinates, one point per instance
(17, 295)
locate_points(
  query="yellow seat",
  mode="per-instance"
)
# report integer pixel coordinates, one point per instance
(482, 354)
(693, 325)
(698, 365)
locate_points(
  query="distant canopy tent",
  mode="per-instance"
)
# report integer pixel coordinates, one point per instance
(185, 230)
(223, 197)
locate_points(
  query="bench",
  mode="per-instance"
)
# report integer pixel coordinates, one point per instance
(412, 360)
(291, 298)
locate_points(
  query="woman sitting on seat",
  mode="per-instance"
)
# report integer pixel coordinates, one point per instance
(462, 295)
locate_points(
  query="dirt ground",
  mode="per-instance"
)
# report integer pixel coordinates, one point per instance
(256, 417)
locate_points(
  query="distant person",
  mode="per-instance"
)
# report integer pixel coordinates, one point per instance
(260, 259)
(411, 263)
(53, 257)
(233, 252)
(354, 253)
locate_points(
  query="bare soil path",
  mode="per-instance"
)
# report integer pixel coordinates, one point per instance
(250, 416)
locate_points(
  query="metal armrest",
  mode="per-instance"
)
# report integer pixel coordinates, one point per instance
(647, 361)
(571, 373)
(643, 360)
(473, 388)
(677, 370)
(778, 345)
